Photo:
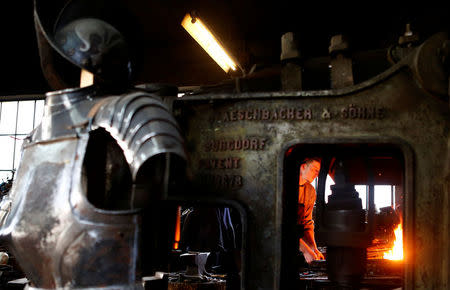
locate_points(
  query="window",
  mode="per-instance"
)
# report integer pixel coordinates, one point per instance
(17, 120)
(383, 194)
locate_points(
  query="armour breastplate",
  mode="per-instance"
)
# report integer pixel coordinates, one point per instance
(62, 229)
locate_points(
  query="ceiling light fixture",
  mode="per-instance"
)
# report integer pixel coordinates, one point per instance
(200, 32)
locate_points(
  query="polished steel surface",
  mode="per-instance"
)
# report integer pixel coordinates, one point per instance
(63, 110)
(143, 125)
(74, 35)
(60, 237)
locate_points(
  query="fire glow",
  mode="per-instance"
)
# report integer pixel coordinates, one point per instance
(396, 253)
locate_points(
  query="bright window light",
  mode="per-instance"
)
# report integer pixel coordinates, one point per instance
(198, 30)
(382, 193)
(17, 120)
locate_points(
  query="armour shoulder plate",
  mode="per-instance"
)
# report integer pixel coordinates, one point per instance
(142, 125)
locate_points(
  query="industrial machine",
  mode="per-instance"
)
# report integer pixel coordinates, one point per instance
(389, 129)
(381, 120)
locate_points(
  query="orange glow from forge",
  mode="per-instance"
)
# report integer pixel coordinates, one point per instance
(396, 253)
(176, 240)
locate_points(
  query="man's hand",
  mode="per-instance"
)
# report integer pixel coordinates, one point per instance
(319, 255)
(309, 256)
(308, 253)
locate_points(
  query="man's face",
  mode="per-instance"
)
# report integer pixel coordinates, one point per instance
(310, 171)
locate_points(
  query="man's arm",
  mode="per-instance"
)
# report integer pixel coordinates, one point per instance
(309, 239)
(308, 253)
(308, 236)
(307, 242)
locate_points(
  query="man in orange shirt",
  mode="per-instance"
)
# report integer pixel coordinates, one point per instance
(309, 170)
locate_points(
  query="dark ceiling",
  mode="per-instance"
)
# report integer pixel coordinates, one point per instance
(250, 29)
